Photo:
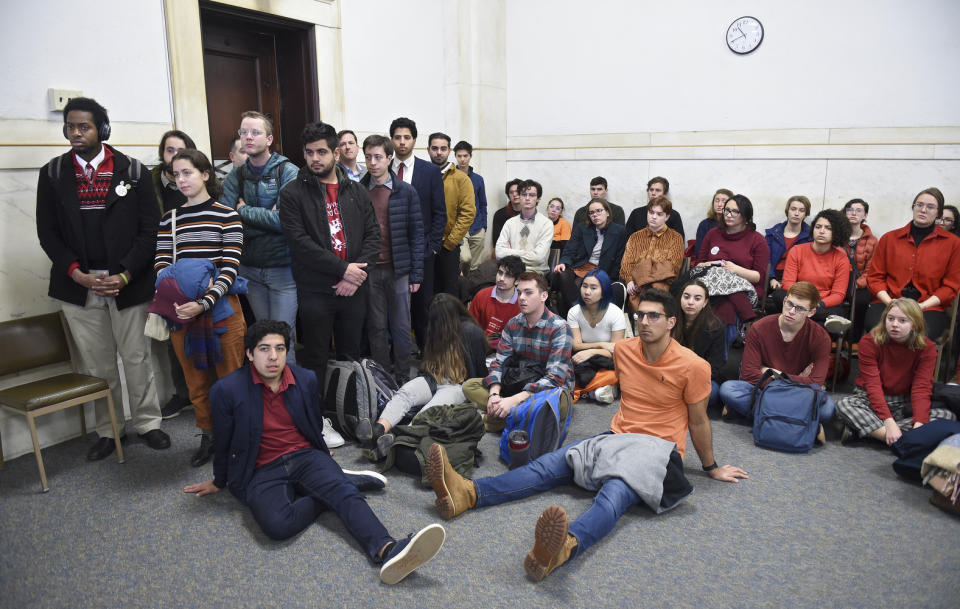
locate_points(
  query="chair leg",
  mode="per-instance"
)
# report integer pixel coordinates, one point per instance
(1, 451)
(836, 362)
(36, 451)
(116, 429)
(83, 422)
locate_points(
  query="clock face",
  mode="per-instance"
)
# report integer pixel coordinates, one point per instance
(744, 35)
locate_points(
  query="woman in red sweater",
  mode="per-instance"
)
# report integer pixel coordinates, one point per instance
(824, 263)
(919, 261)
(896, 378)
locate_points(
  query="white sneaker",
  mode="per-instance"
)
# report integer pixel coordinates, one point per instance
(606, 394)
(835, 324)
(412, 553)
(331, 437)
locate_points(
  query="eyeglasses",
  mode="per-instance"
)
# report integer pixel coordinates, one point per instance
(788, 305)
(595, 212)
(856, 212)
(927, 207)
(729, 211)
(944, 221)
(250, 132)
(653, 316)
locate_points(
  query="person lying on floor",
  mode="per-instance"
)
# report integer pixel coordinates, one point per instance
(787, 343)
(270, 453)
(893, 388)
(665, 388)
(533, 355)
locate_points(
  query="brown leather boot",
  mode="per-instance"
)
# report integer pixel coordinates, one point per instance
(455, 494)
(553, 544)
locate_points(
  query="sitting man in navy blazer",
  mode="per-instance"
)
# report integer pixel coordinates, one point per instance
(270, 453)
(426, 178)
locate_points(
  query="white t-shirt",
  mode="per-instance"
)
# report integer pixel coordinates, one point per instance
(611, 321)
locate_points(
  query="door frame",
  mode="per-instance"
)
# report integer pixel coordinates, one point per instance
(185, 52)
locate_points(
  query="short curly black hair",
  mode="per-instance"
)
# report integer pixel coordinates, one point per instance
(838, 224)
(261, 328)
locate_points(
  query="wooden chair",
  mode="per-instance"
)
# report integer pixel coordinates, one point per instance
(32, 342)
(945, 344)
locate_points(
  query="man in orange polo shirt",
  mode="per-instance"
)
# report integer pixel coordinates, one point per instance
(665, 388)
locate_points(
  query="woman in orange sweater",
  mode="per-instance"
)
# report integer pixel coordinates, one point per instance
(824, 263)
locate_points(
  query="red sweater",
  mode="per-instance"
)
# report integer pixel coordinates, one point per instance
(934, 266)
(895, 369)
(765, 347)
(830, 272)
(492, 314)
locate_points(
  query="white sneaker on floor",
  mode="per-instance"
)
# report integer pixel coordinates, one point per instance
(331, 437)
(834, 324)
(606, 394)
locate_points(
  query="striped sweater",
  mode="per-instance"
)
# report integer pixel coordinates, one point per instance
(208, 230)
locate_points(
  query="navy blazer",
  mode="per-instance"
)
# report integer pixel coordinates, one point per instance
(237, 405)
(582, 241)
(428, 181)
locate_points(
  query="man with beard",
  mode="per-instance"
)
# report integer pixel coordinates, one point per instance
(331, 228)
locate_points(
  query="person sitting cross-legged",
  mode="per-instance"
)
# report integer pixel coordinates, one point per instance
(787, 343)
(536, 335)
(896, 378)
(270, 453)
(665, 391)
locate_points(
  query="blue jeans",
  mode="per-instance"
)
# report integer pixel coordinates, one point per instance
(390, 308)
(714, 394)
(737, 395)
(272, 294)
(551, 470)
(288, 493)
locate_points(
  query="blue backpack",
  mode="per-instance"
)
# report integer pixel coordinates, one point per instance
(786, 413)
(545, 416)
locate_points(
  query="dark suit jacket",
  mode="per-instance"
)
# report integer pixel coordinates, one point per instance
(584, 238)
(428, 181)
(129, 228)
(237, 405)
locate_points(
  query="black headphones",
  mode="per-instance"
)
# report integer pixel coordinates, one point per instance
(103, 132)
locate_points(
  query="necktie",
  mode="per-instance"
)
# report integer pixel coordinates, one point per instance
(400, 173)
(89, 172)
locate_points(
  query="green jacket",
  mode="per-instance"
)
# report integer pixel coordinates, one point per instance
(458, 427)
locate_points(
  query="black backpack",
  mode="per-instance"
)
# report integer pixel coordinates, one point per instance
(354, 391)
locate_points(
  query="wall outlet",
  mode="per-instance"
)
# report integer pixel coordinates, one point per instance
(57, 98)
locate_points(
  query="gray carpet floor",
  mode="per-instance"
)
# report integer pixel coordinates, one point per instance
(832, 528)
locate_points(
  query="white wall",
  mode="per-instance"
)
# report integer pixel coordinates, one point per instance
(614, 66)
(841, 100)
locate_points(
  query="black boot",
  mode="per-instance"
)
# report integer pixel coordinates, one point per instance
(205, 452)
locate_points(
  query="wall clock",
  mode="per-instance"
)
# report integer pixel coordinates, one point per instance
(744, 35)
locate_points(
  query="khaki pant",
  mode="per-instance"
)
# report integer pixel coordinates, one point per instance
(101, 332)
(475, 392)
(199, 382)
(473, 252)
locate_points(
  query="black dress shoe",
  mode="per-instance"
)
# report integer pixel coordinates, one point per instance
(156, 439)
(173, 407)
(204, 453)
(102, 448)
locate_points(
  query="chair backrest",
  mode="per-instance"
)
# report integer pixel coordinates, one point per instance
(31, 342)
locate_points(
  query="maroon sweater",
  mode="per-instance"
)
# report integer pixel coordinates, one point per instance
(895, 369)
(765, 347)
(747, 248)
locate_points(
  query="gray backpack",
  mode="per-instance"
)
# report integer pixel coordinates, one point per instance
(354, 391)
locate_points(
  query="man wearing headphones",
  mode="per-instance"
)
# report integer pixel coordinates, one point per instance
(97, 218)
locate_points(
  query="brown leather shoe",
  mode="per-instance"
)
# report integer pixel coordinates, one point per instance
(553, 543)
(455, 494)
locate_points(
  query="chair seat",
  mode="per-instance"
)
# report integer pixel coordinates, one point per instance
(45, 392)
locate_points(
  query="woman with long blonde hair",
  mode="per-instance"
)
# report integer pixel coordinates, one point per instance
(896, 377)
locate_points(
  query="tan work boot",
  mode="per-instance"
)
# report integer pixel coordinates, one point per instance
(821, 436)
(493, 424)
(455, 494)
(553, 544)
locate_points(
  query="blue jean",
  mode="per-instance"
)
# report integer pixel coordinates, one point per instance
(389, 307)
(272, 294)
(738, 395)
(287, 494)
(714, 394)
(551, 470)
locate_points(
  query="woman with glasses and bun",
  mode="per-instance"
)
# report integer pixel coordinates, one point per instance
(919, 261)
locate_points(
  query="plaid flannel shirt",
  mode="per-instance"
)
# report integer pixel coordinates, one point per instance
(549, 341)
